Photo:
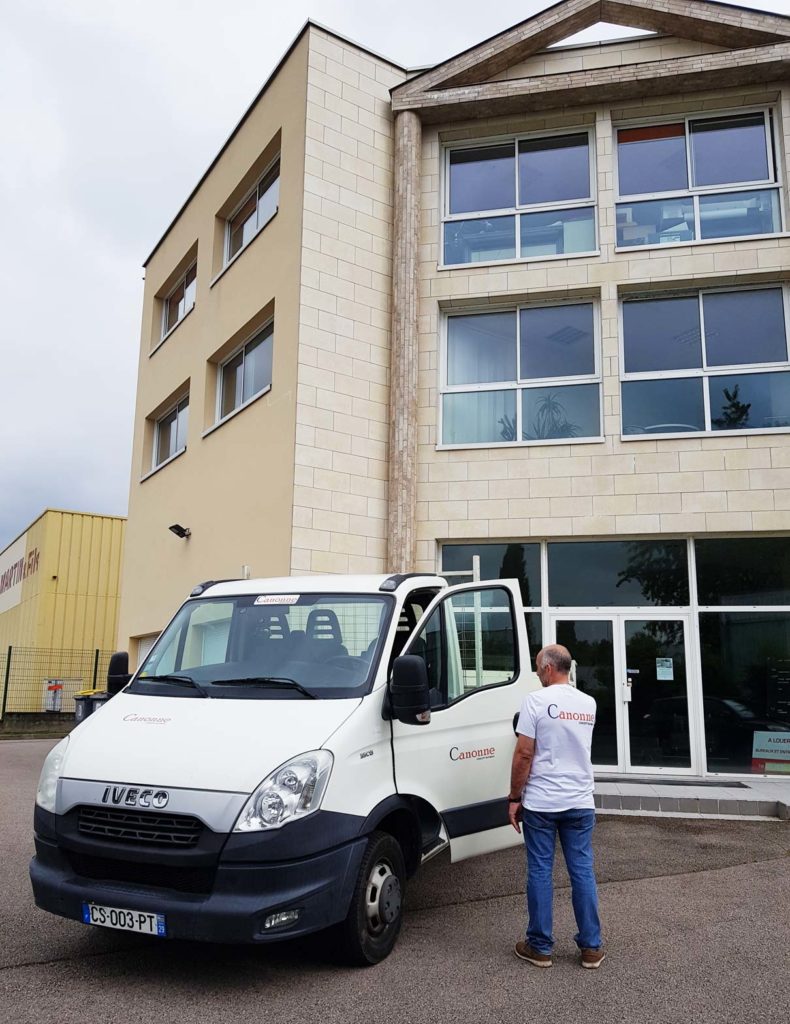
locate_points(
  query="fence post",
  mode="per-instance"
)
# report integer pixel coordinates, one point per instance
(95, 667)
(7, 679)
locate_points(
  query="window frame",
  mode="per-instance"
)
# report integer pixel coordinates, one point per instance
(219, 418)
(518, 210)
(693, 192)
(227, 258)
(176, 408)
(181, 282)
(520, 384)
(703, 372)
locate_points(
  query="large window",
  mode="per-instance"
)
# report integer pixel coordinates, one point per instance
(247, 374)
(180, 301)
(697, 179)
(710, 361)
(526, 198)
(523, 375)
(255, 212)
(170, 436)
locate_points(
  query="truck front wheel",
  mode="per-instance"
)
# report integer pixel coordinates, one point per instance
(375, 915)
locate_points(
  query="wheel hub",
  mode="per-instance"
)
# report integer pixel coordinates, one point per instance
(383, 901)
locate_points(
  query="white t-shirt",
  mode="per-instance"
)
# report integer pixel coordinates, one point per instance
(560, 719)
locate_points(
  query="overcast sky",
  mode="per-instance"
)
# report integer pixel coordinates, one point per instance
(110, 112)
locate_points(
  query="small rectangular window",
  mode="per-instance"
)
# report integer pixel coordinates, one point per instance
(481, 349)
(180, 300)
(247, 373)
(554, 169)
(729, 150)
(170, 436)
(482, 179)
(255, 212)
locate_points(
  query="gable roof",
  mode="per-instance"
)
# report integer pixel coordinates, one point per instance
(701, 20)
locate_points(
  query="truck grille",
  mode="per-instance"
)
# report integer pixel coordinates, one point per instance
(151, 829)
(159, 876)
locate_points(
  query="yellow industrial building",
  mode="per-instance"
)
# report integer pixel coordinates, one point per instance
(59, 593)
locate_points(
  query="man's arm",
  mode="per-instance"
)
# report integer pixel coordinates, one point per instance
(519, 773)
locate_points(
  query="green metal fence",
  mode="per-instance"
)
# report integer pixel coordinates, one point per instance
(38, 680)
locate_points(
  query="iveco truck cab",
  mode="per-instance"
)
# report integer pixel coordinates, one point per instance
(286, 756)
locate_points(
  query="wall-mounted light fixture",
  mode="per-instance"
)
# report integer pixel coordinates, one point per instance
(180, 531)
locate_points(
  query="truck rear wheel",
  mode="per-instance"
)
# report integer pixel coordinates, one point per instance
(374, 918)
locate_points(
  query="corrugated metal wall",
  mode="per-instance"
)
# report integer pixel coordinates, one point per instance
(71, 600)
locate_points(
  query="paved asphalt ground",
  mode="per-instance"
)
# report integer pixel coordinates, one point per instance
(696, 921)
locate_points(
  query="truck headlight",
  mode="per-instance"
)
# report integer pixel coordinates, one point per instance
(50, 773)
(293, 790)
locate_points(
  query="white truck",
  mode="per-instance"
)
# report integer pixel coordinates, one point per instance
(287, 754)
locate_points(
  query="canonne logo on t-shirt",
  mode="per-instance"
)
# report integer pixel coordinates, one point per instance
(555, 711)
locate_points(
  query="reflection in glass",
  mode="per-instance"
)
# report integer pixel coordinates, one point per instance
(661, 334)
(482, 179)
(671, 406)
(750, 401)
(557, 341)
(498, 562)
(478, 418)
(480, 240)
(258, 364)
(753, 570)
(572, 410)
(555, 169)
(618, 573)
(655, 222)
(730, 321)
(481, 348)
(558, 232)
(728, 150)
(591, 645)
(740, 213)
(243, 226)
(232, 375)
(658, 718)
(746, 689)
(651, 159)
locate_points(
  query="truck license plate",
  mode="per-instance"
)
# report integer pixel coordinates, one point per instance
(125, 920)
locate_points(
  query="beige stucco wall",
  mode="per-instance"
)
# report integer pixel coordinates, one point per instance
(612, 487)
(232, 486)
(340, 494)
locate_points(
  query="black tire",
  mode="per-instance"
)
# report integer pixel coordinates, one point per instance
(375, 915)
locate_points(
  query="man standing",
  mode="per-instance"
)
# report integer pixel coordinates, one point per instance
(551, 791)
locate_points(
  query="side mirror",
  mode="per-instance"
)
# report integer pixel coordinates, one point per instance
(118, 674)
(410, 692)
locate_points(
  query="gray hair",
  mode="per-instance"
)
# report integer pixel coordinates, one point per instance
(557, 656)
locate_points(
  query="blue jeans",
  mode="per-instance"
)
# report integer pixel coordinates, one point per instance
(575, 831)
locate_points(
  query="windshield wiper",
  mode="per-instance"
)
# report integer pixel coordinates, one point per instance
(179, 680)
(282, 682)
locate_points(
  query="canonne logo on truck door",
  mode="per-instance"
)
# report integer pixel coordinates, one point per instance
(472, 754)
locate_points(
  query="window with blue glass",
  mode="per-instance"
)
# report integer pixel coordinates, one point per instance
(522, 198)
(697, 179)
(529, 374)
(705, 362)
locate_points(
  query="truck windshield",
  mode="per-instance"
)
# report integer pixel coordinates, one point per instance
(269, 647)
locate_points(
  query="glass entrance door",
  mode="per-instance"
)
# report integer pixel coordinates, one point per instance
(636, 669)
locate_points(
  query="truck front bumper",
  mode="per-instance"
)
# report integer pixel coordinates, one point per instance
(235, 909)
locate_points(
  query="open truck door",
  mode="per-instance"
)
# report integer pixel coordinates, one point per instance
(455, 749)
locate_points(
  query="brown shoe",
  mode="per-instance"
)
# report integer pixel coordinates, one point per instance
(592, 958)
(525, 952)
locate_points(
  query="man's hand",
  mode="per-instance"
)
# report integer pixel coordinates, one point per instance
(514, 814)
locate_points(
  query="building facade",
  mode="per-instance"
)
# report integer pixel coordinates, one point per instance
(524, 313)
(59, 601)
